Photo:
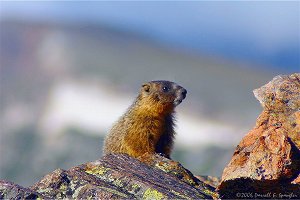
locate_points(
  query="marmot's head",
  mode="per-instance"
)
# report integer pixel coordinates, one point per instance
(164, 94)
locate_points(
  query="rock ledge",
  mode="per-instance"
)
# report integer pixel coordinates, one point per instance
(117, 176)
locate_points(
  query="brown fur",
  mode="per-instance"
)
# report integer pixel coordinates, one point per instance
(148, 124)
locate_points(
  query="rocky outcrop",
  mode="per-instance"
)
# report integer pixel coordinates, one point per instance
(266, 163)
(118, 176)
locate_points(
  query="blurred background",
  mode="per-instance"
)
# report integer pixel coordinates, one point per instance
(70, 69)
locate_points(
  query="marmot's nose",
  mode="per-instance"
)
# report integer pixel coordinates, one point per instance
(183, 92)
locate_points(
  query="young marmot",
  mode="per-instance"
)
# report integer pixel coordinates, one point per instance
(148, 124)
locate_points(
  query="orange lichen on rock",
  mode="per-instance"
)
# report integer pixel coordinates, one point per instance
(270, 153)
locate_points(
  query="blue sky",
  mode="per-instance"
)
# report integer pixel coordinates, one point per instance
(259, 32)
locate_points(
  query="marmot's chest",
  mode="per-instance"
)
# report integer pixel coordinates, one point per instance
(149, 128)
(155, 130)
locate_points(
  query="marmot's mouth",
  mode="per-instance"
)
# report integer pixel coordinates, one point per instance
(180, 97)
(177, 101)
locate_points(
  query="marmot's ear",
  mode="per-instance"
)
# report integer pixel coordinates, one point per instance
(146, 87)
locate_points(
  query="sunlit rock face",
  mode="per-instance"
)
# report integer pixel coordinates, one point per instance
(268, 157)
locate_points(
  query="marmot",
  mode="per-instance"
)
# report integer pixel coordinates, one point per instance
(148, 124)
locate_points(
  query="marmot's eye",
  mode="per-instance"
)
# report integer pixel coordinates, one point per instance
(165, 89)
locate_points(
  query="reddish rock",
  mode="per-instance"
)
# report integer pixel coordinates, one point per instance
(267, 160)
